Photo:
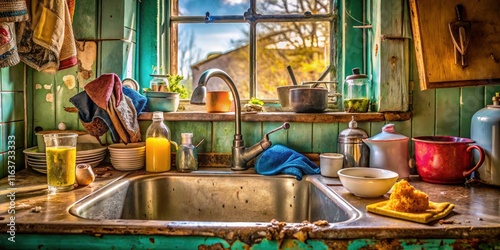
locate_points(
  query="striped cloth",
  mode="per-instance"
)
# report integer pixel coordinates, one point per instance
(13, 11)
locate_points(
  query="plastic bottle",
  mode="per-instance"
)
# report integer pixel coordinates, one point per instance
(158, 145)
(187, 157)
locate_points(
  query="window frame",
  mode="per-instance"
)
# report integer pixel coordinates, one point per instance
(168, 46)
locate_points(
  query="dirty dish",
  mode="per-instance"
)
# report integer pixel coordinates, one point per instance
(367, 182)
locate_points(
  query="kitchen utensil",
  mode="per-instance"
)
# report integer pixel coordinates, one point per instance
(485, 131)
(445, 159)
(367, 182)
(350, 144)
(460, 31)
(292, 75)
(284, 95)
(389, 150)
(309, 100)
(325, 73)
(330, 163)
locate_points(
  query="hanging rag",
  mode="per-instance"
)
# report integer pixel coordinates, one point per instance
(10, 11)
(280, 159)
(103, 103)
(46, 42)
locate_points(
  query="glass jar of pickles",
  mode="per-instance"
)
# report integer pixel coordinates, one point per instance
(357, 92)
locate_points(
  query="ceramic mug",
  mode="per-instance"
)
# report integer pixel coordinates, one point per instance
(330, 164)
(445, 159)
(219, 101)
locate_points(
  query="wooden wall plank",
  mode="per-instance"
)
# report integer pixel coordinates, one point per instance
(325, 137)
(470, 103)
(447, 112)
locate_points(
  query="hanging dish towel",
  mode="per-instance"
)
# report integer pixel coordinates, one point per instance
(435, 211)
(46, 41)
(280, 159)
(10, 11)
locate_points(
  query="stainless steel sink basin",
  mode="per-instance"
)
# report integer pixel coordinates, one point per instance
(215, 197)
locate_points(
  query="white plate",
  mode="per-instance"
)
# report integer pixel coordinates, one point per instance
(40, 170)
(129, 146)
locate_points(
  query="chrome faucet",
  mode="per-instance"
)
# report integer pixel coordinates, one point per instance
(240, 154)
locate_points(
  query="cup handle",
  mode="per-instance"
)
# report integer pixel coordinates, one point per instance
(175, 144)
(479, 163)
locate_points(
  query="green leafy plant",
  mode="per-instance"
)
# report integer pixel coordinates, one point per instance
(176, 86)
(254, 100)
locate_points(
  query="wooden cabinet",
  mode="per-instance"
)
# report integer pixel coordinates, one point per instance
(435, 51)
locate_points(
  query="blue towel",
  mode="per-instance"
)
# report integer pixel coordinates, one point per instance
(280, 159)
(139, 101)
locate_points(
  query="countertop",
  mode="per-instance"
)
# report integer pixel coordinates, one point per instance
(476, 213)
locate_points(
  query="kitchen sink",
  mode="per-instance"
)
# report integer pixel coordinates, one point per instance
(208, 196)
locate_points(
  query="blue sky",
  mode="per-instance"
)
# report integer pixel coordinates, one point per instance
(210, 37)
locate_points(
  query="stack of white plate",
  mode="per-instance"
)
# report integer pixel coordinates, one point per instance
(86, 153)
(129, 156)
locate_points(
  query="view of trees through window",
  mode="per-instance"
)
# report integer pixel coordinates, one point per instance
(215, 34)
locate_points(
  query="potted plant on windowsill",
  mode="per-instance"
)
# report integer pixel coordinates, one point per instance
(165, 92)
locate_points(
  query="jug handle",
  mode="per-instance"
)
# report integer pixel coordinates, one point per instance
(479, 163)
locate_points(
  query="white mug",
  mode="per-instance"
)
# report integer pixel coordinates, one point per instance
(330, 163)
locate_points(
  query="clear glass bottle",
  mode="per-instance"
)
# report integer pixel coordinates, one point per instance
(357, 92)
(186, 159)
(158, 142)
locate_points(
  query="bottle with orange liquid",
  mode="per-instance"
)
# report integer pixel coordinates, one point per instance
(158, 145)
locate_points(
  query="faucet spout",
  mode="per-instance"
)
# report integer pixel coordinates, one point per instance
(240, 154)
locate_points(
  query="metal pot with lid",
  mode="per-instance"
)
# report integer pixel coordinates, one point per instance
(389, 150)
(350, 144)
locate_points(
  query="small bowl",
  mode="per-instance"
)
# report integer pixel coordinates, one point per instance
(162, 101)
(367, 182)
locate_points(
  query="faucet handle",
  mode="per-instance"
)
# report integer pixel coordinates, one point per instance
(284, 126)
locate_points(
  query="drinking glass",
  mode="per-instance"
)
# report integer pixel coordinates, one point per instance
(60, 150)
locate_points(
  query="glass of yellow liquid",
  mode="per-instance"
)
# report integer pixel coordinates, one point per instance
(60, 150)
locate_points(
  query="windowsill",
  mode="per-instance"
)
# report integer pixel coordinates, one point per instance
(341, 117)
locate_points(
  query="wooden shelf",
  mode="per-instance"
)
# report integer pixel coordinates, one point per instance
(341, 117)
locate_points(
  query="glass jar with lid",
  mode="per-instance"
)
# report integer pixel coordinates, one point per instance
(159, 83)
(357, 92)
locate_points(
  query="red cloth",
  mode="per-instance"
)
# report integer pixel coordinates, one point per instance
(101, 89)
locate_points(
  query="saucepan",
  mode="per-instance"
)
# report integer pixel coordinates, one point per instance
(309, 100)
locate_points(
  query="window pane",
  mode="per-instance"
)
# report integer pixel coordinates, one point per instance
(293, 6)
(304, 46)
(215, 7)
(215, 45)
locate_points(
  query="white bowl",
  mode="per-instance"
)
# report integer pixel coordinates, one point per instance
(367, 182)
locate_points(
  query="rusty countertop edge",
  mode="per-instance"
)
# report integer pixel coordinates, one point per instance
(361, 228)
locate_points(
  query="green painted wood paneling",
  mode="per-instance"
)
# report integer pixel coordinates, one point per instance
(12, 134)
(110, 54)
(200, 130)
(223, 135)
(447, 112)
(279, 137)
(470, 103)
(85, 19)
(66, 87)
(300, 137)
(489, 93)
(252, 133)
(12, 79)
(12, 104)
(147, 41)
(43, 101)
(112, 19)
(325, 136)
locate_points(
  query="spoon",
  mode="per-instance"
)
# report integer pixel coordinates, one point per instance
(292, 76)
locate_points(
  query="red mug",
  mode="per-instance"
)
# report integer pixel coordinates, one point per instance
(445, 159)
